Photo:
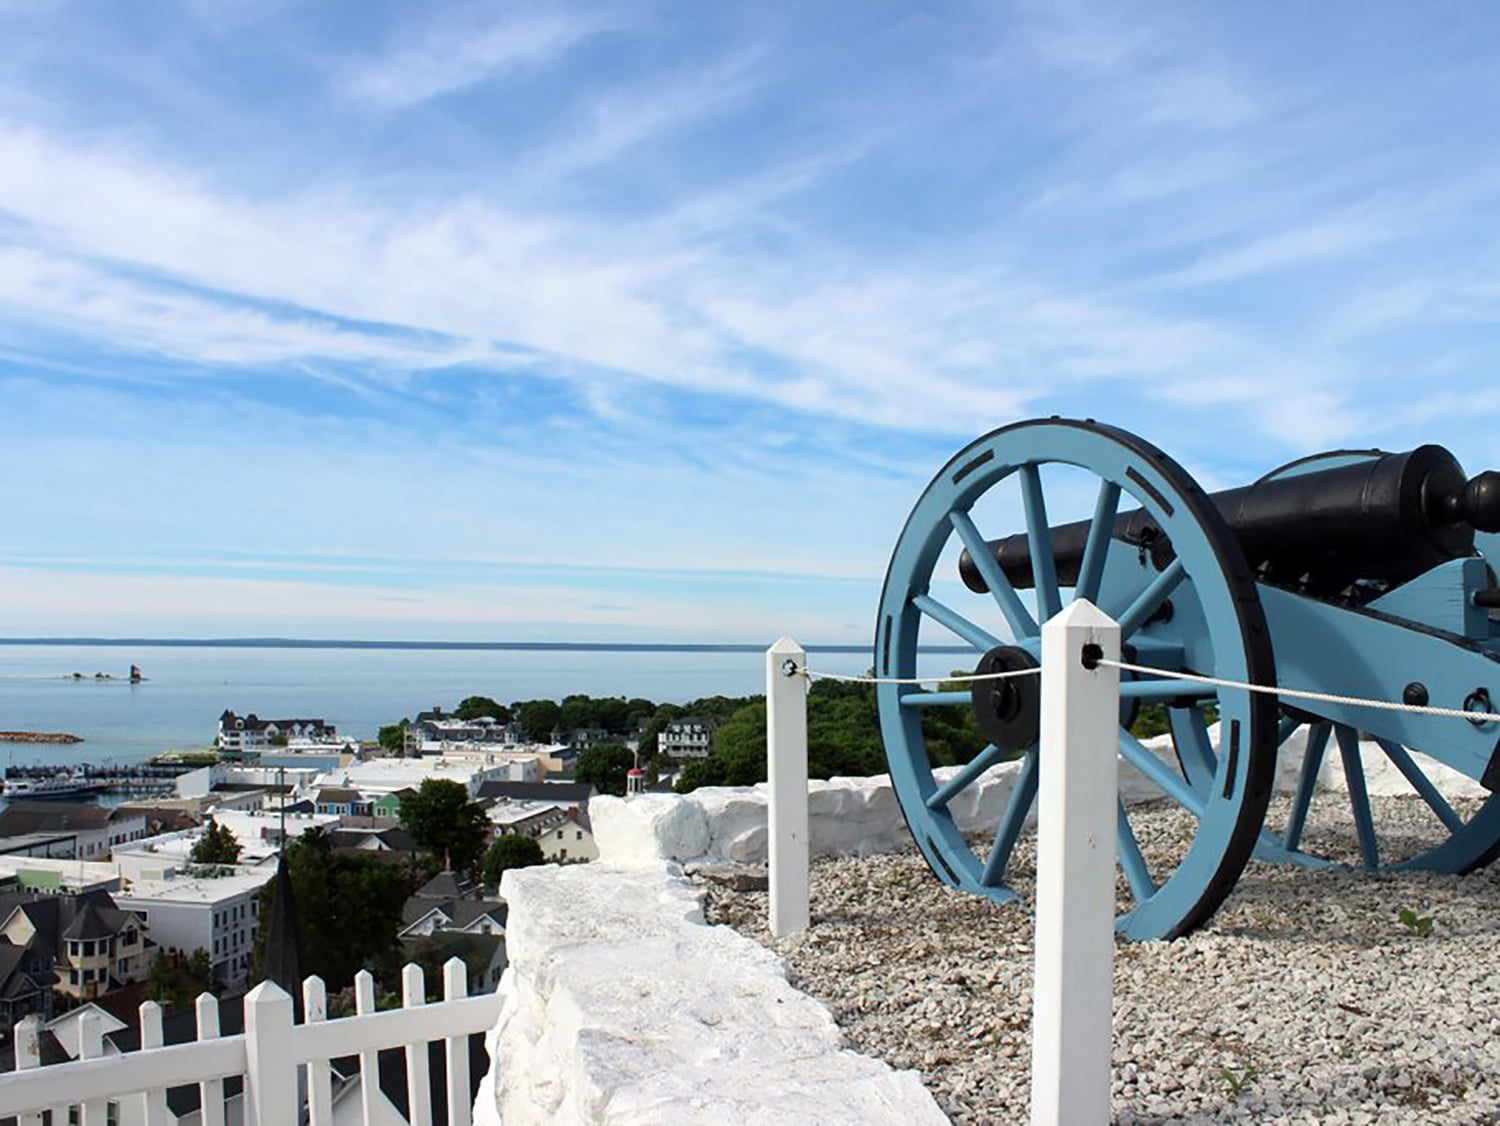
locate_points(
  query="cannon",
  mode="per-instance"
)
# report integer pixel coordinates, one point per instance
(1359, 574)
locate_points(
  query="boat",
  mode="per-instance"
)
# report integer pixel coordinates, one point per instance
(60, 787)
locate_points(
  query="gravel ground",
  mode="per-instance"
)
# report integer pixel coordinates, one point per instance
(1305, 999)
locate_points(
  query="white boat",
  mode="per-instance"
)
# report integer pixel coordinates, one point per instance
(60, 787)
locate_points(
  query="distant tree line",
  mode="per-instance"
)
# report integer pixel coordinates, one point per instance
(843, 733)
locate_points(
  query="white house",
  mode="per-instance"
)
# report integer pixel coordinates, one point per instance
(97, 830)
(571, 839)
(250, 732)
(686, 738)
(217, 914)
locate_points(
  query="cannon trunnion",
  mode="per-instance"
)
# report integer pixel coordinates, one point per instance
(1359, 574)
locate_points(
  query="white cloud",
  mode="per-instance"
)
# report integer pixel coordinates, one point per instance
(458, 52)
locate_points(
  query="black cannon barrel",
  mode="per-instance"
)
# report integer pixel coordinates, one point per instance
(1387, 518)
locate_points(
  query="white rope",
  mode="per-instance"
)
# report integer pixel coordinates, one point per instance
(1303, 694)
(951, 677)
(1295, 693)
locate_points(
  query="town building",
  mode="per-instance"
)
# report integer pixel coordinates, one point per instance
(340, 801)
(95, 829)
(432, 729)
(564, 795)
(570, 839)
(82, 946)
(250, 732)
(378, 777)
(686, 738)
(219, 914)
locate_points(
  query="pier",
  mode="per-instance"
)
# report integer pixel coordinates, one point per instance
(135, 778)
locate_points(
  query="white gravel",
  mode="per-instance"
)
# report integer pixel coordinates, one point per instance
(1306, 999)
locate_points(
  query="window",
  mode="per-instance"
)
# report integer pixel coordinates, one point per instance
(579, 834)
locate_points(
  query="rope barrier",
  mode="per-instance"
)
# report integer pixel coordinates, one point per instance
(1304, 694)
(1125, 666)
(950, 677)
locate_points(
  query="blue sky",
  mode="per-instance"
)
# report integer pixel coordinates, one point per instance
(649, 321)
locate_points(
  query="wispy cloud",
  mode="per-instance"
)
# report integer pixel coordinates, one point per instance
(456, 51)
(715, 285)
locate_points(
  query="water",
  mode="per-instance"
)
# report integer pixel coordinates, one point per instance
(357, 690)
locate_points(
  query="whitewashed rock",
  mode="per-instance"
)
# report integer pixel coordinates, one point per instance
(644, 830)
(620, 1006)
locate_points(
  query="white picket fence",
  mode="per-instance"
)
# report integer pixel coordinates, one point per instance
(282, 1062)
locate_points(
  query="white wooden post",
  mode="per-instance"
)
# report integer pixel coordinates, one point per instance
(460, 1102)
(91, 1047)
(369, 1061)
(418, 1083)
(1075, 871)
(271, 1078)
(210, 1091)
(786, 749)
(153, 1099)
(319, 1079)
(28, 1037)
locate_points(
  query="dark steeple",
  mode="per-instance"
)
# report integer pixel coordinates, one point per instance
(282, 961)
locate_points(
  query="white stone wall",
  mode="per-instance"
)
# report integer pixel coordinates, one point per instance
(621, 1006)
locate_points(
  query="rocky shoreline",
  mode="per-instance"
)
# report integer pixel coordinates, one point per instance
(1306, 999)
(38, 737)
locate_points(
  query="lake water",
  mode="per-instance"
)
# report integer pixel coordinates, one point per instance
(358, 690)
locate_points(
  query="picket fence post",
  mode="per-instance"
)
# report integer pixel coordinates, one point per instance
(271, 1079)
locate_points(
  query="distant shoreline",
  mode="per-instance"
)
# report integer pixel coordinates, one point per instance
(524, 646)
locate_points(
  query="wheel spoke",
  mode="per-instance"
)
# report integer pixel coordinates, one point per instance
(1307, 781)
(1137, 875)
(1359, 798)
(976, 636)
(966, 775)
(936, 699)
(1286, 728)
(1096, 548)
(1165, 690)
(1422, 784)
(1195, 753)
(1039, 540)
(1145, 604)
(1160, 775)
(1022, 624)
(1022, 797)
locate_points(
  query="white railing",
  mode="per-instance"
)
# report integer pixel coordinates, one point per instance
(278, 1058)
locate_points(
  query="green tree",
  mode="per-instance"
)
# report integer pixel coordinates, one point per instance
(175, 981)
(441, 818)
(393, 737)
(348, 909)
(604, 765)
(538, 717)
(475, 707)
(217, 845)
(510, 850)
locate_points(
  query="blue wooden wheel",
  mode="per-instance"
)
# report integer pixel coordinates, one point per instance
(1185, 601)
(1454, 842)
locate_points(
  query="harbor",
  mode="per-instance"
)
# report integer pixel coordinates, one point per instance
(40, 782)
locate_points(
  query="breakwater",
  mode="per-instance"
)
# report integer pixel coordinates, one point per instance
(39, 737)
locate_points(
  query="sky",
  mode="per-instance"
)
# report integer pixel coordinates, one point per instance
(649, 321)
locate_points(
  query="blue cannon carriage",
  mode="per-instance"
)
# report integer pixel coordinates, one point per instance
(1358, 574)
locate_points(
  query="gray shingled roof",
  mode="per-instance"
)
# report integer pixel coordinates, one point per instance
(574, 793)
(22, 817)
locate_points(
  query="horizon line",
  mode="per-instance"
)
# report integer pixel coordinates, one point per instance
(351, 643)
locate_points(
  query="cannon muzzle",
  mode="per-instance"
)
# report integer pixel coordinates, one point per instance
(1387, 518)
